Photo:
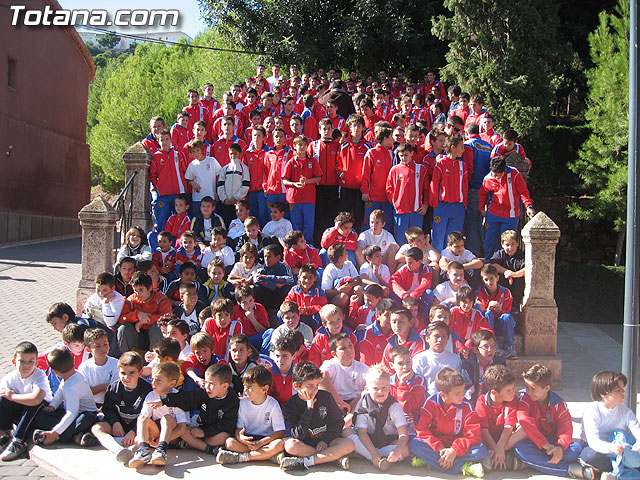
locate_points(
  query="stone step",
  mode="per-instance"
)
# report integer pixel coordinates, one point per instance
(523, 363)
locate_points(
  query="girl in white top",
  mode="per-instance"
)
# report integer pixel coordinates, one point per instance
(135, 246)
(609, 427)
(242, 271)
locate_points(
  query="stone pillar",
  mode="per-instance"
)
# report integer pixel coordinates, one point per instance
(138, 159)
(540, 312)
(98, 221)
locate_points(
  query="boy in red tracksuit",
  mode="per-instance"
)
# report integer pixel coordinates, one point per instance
(499, 202)
(308, 296)
(338, 121)
(221, 327)
(341, 232)
(374, 339)
(509, 144)
(448, 195)
(251, 314)
(179, 222)
(197, 112)
(546, 426)
(403, 335)
(166, 174)
(300, 176)
(448, 431)
(349, 164)
(207, 99)
(465, 319)
(325, 151)
(487, 133)
(331, 317)
(151, 141)
(375, 170)
(164, 257)
(180, 131)
(477, 112)
(299, 253)
(221, 146)
(274, 163)
(408, 191)
(253, 157)
(281, 368)
(464, 110)
(407, 386)
(188, 252)
(140, 313)
(497, 411)
(414, 279)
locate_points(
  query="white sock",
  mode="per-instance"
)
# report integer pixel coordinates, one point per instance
(308, 461)
(108, 442)
(244, 457)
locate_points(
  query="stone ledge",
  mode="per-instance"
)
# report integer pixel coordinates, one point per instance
(19, 228)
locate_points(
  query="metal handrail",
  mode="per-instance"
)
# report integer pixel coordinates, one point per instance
(124, 190)
(124, 214)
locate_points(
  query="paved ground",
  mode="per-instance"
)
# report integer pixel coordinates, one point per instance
(55, 267)
(32, 277)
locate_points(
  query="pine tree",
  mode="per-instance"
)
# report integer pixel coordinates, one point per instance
(602, 163)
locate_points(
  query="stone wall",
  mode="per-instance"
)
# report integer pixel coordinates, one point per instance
(580, 241)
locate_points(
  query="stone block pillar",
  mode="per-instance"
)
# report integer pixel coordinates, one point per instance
(138, 159)
(98, 221)
(540, 312)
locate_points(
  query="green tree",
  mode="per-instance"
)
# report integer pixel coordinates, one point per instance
(508, 52)
(362, 34)
(602, 162)
(152, 81)
(109, 40)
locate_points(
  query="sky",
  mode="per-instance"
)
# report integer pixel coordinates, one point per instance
(189, 22)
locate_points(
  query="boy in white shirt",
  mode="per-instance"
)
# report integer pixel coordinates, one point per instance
(104, 306)
(446, 291)
(233, 183)
(427, 364)
(202, 174)
(278, 226)
(260, 429)
(236, 226)
(218, 249)
(100, 370)
(160, 423)
(455, 252)
(373, 270)
(21, 393)
(337, 291)
(377, 235)
(79, 411)
(343, 376)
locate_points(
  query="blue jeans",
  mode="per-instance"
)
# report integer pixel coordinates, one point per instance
(278, 197)
(447, 217)
(424, 452)
(386, 207)
(403, 221)
(538, 459)
(303, 217)
(473, 223)
(162, 208)
(503, 325)
(495, 227)
(623, 466)
(258, 207)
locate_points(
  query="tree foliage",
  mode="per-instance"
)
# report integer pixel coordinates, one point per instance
(109, 40)
(602, 162)
(363, 34)
(153, 81)
(508, 52)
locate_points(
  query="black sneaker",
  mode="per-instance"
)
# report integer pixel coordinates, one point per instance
(88, 439)
(13, 450)
(5, 440)
(38, 437)
(142, 456)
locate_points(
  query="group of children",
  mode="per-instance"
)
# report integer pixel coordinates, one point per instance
(415, 405)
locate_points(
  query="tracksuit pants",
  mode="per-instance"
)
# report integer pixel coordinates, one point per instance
(423, 451)
(538, 459)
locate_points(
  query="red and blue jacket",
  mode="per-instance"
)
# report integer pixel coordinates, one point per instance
(350, 161)
(502, 296)
(282, 385)
(372, 344)
(503, 195)
(457, 426)
(273, 170)
(151, 144)
(254, 159)
(295, 257)
(408, 187)
(375, 170)
(320, 350)
(463, 324)
(415, 343)
(326, 153)
(221, 336)
(196, 113)
(166, 172)
(179, 136)
(496, 418)
(450, 181)
(332, 236)
(312, 302)
(406, 283)
(551, 420)
(411, 395)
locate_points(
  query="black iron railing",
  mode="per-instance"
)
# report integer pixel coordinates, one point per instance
(124, 207)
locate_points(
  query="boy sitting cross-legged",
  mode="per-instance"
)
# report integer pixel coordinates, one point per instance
(381, 444)
(21, 394)
(497, 411)
(260, 427)
(157, 424)
(123, 402)
(218, 406)
(448, 431)
(315, 423)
